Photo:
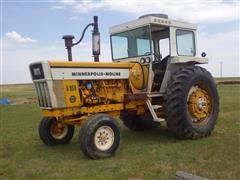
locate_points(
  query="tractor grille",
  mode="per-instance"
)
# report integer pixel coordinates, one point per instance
(43, 94)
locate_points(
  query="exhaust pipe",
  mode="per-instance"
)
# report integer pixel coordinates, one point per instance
(69, 44)
(95, 40)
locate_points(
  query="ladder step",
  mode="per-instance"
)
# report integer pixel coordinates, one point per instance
(159, 120)
(154, 95)
(152, 111)
(156, 106)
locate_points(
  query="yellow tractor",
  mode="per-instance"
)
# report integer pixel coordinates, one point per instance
(154, 77)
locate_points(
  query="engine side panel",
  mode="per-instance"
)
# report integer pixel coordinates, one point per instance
(103, 91)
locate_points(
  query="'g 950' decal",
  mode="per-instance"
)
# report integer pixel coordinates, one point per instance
(71, 88)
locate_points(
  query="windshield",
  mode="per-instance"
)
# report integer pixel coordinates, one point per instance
(131, 43)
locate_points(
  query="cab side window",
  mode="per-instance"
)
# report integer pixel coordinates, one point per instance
(185, 43)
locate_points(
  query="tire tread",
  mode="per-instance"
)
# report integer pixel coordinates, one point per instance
(173, 102)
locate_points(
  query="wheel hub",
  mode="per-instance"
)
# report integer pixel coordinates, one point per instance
(104, 138)
(58, 130)
(199, 103)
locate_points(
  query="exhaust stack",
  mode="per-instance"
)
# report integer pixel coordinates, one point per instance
(95, 40)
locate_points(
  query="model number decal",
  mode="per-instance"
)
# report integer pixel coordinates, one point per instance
(71, 88)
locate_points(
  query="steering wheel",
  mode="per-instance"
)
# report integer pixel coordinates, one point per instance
(157, 57)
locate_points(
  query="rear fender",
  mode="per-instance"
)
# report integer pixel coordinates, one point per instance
(171, 68)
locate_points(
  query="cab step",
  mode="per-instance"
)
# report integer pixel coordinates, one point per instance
(152, 109)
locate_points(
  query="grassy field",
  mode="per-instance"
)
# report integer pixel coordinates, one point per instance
(155, 154)
(228, 79)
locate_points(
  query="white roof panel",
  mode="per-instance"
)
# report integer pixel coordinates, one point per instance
(151, 20)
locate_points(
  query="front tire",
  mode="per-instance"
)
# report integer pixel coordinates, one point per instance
(100, 136)
(191, 103)
(53, 133)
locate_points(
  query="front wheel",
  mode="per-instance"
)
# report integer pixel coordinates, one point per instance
(53, 133)
(191, 103)
(100, 136)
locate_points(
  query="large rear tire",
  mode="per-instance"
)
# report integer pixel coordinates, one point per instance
(100, 136)
(136, 122)
(53, 133)
(191, 103)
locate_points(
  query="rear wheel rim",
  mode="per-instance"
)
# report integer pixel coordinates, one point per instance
(58, 130)
(104, 138)
(199, 105)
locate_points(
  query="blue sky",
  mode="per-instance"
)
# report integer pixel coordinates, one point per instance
(32, 30)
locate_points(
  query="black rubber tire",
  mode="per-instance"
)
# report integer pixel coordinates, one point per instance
(87, 134)
(138, 123)
(177, 115)
(47, 138)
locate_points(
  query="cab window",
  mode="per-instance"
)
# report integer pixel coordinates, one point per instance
(132, 43)
(185, 43)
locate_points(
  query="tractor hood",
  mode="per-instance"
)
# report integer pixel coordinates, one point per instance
(55, 70)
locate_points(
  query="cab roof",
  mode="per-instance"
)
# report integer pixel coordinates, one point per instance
(153, 19)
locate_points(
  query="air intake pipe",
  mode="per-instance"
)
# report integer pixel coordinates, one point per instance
(95, 40)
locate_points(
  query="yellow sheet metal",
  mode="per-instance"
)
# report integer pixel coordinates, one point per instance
(90, 64)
